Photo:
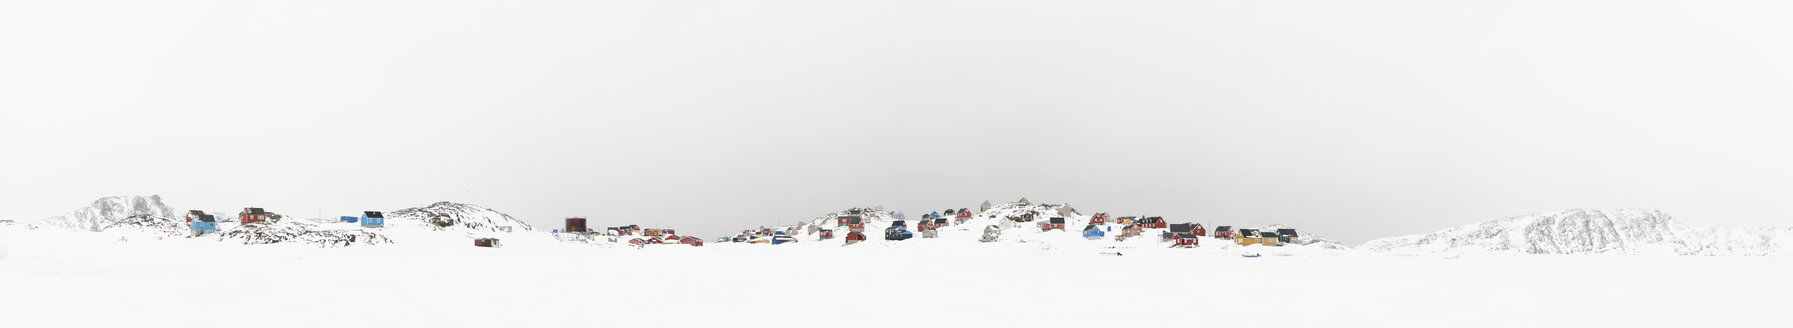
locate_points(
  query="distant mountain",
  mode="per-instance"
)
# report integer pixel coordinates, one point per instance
(451, 215)
(1582, 231)
(107, 211)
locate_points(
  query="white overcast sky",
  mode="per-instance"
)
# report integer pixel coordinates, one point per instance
(1355, 119)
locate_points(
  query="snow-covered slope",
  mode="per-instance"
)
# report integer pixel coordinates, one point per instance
(149, 224)
(300, 231)
(1582, 231)
(456, 215)
(107, 211)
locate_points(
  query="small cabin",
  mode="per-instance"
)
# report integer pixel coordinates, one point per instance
(252, 215)
(1093, 232)
(1185, 240)
(1182, 228)
(940, 223)
(1153, 222)
(1267, 238)
(1054, 223)
(899, 223)
(350, 219)
(856, 224)
(952, 212)
(693, 241)
(486, 242)
(1100, 218)
(1132, 230)
(637, 242)
(1246, 237)
(1287, 236)
(827, 234)
(963, 214)
(202, 224)
(194, 214)
(854, 237)
(575, 225)
(373, 219)
(654, 240)
(1223, 232)
(1200, 231)
(896, 232)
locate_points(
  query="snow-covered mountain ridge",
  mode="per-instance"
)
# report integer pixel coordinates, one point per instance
(107, 211)
(1583, 231)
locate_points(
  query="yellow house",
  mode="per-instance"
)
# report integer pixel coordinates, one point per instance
(1248, 237)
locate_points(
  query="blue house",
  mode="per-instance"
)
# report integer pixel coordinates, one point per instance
(204, 223)
(1092, 232)
(783, 239)
(350, 219)
(897, 233)
(372, 219)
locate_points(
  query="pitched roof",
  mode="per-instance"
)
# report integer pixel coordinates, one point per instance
(196, 212)
(1056, 220)
(206, 218)
(1223, 228)
(1287, 232)
(1186, 235)
(254, 210)
(374, 214)
(1182, 227)
(939, 221)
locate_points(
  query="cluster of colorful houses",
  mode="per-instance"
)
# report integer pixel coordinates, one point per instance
(1180, 234)
(638, 236)
(201, 223)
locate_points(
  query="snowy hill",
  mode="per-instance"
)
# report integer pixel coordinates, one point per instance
(107, 211)
(300, 231)
(150, 224)
(1581, 231)
(1027, 211)
(456, 215)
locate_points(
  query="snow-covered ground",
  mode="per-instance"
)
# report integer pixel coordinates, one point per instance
(66, 278)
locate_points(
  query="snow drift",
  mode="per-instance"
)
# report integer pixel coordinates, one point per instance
(1582, 231)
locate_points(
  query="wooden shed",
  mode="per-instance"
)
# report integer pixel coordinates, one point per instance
(1185, 240)
(855, 237)
(575, 225)
(1054, 223)
(486, 242)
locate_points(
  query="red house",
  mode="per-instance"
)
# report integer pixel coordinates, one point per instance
(1100, 218)
(693, 241)
(636, 242)
(1186, 240)
(1200, 231)
(856, 224)
(1053, 224)
(963, 214)
(827, 234)
(653, 240)
(1153, 222)
(1223, 232)
(854, 237)
(252, 215)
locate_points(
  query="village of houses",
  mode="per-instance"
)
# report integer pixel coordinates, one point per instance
(1021, 220)
(987, 223)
